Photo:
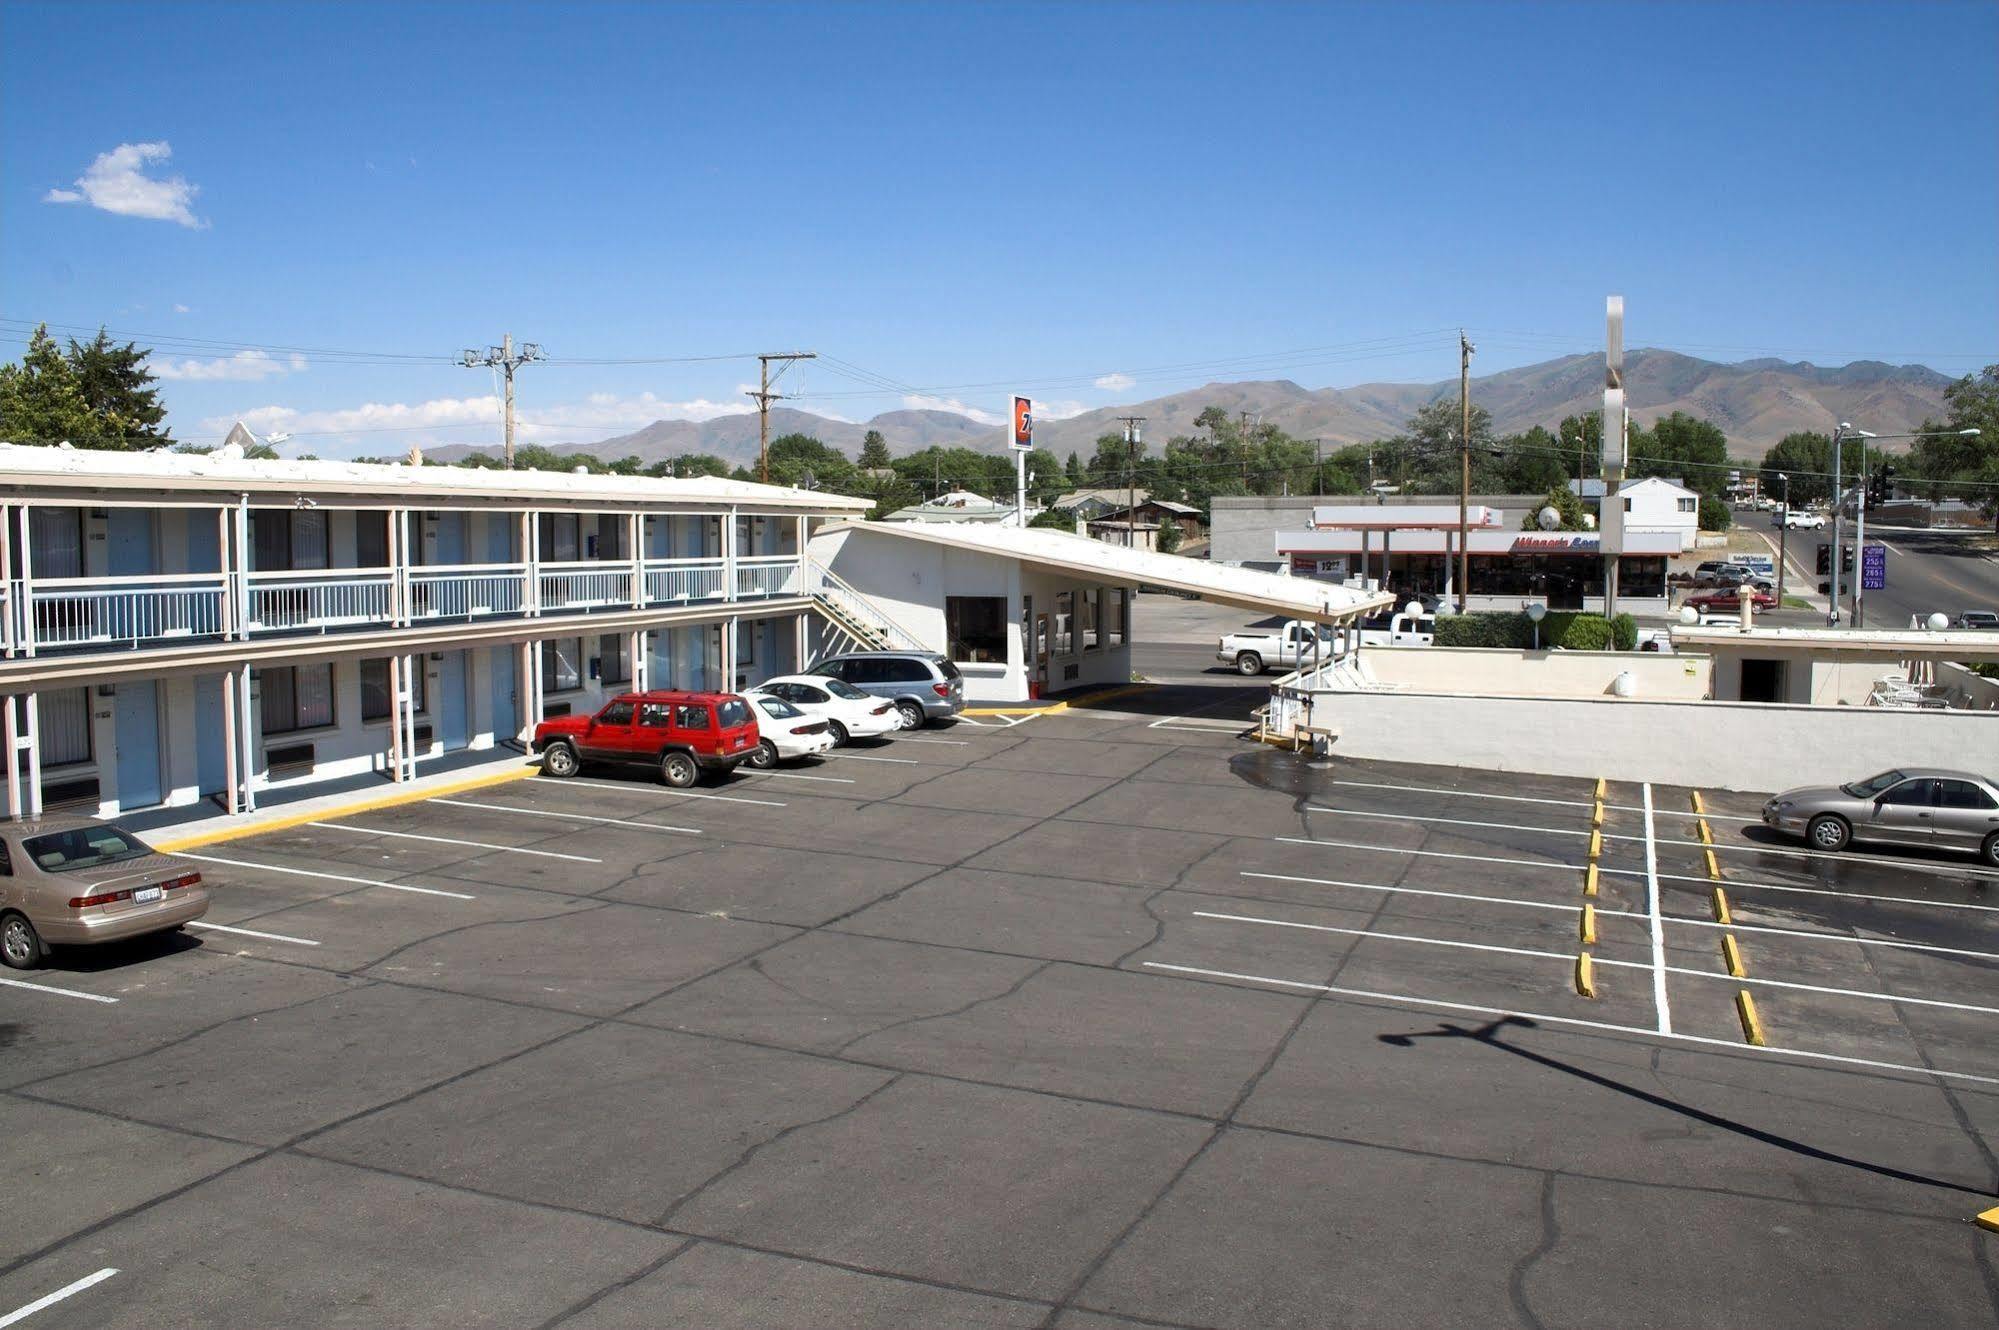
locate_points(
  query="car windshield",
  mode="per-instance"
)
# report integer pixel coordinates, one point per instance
(734, 712)
(84, 847)
(1873, 785)
(841, 688)
(776, 707)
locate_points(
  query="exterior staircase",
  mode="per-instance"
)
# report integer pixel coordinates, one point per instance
(851, 622)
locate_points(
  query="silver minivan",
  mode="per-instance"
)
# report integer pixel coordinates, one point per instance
(924, 685)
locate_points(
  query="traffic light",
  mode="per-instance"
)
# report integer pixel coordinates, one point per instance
(1878, 486)
(1824, 565)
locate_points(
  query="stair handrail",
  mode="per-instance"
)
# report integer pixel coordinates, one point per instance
(852, 600)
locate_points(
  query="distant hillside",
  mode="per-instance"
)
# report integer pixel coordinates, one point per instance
(1756, 402)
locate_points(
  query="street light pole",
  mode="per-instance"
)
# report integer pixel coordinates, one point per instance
(1859, 588)
(1838, 505)
(1783, 535)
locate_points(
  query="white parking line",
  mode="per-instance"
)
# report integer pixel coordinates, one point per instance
(572, 817)
(330, 877)
(1658, 922)
(912, 739)
(654, 789)
(1732, 883)
(1937, 865)
(795, 775)
(59, 992)
(1388, 937)
(1214, 727)
(447, 840)
(1448, 821)
(251, 932)
(1825, 936)
(50, 1300)
(1568, 908)
(1731, 1045)
(1524, 799)
(1804, 988)
(862, 757)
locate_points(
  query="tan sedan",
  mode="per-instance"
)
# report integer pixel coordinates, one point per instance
(76, 882)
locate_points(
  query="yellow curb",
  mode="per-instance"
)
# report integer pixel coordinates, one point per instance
(1990, 1219)
(1047, 708)
(1596, 845)
(1586, 979)
(1721, 914)
(1600, 787)
(1697, 802)
(1713, 868)
(1589, 880)
(1596, 815)
(237, 831)
(1733, 955)
(1745, 1007)
(1707, 836)
(1588, 930)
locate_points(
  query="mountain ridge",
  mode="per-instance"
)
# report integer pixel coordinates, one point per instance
(1755, 402)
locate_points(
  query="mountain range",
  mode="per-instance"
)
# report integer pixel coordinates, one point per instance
(1756, 403)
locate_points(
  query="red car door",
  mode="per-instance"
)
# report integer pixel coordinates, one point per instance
(611, 733)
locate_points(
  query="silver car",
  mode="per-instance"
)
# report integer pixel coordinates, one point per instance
(74, 882)
(1947, 810)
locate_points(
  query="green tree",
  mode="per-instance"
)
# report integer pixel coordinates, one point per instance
(800, 459)
(1575, 513)
(116, 386)
(1169, 536)
(1692, 449)
(1074, 470)
(41, 400)
(1961, 465)
(874, 450)
(1806, 457)
(1053, 521)
(1715, 514)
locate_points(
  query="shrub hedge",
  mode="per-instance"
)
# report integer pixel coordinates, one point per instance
(1574, 632)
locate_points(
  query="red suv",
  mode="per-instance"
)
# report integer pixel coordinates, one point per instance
(682, 734)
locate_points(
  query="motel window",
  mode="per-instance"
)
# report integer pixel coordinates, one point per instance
(371, 540)
(560, 538)
(975, 628)
(57, 536)
(1065, 623)
(1688, 505)
(287, 541)
(1092, 631)
(1116, 608)
(375, 700)
(294, 697)
(614, 658)
(64, 720)
(562, 665)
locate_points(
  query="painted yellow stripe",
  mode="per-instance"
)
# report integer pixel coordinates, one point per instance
(361, 804)
(1589, 880)
(1698, 807)
(1596, 814)
(1707, 836)
(1732, 956)
(1721, 911)
(1585, 975)
(1588, 927)
(1713, 868)
(1601, 787)
(1990, 1219)
(1596, 845)
(1745, 1007)
(1046, 708)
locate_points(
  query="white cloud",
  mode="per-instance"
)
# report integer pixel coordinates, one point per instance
(117, 183)
(182, 309)
(952, 404)
(390, 427)
(1058, 410)
(1115, 383)
(243, 367)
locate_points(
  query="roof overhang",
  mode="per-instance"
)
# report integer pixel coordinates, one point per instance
(1117, 565)
(1903, 643)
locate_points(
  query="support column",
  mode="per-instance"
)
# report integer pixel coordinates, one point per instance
(232, 629)
(406, 713)
(246, 733)
(634, 540)
(531, 561)
(242, 587)
(729, 588)
(26, 643)
(729, 654)
(799, 643)
(231, 750)
(7, 577)
(13, 739)
(804, 587)
(641, 673)
(34, 756)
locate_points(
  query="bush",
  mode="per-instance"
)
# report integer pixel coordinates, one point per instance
(1714, 515)
(1514, 631)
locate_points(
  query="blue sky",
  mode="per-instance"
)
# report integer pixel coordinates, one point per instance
(962, 199)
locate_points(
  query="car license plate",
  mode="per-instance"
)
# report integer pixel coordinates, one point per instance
(144, 894)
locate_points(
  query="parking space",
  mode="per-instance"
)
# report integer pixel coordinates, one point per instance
(1096, 1017)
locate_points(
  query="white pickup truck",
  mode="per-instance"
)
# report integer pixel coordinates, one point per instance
(1293, 644)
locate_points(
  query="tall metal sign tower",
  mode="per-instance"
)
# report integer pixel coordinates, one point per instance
(1616, 431)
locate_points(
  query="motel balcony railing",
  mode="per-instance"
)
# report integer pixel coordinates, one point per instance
(161, 609)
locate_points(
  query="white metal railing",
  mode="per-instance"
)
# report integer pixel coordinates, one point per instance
(467, 590)
(78, 611)
(830, 588)
(318, 599)
(767, 575)
(684, 579)
(585, 584)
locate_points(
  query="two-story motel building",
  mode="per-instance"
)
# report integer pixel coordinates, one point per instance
(175, 628)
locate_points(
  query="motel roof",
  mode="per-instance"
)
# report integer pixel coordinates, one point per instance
(162, 476)
(1115, 565)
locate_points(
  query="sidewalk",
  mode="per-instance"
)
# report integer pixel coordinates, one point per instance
(172, 829)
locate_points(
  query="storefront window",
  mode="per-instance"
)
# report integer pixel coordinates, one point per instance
(1065, 623)
(975, 628)
(1642, 577)
(1093, 624)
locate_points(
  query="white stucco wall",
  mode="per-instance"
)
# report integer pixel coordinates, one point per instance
(1491, 672)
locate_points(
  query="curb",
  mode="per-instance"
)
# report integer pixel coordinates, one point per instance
(363, 804)
(1047, 708)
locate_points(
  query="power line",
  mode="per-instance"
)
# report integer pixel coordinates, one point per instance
(504, 358)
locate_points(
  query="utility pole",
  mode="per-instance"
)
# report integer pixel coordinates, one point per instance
(1465, 349)
(1783, 535)
(764, 397)
(1319, 467)
(504, 358)
(1839, 432)
(1134, 435)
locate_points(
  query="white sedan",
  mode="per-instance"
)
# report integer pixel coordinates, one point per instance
(847, 711)
(787, 733)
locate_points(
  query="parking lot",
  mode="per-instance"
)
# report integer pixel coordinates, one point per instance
(1082, 1019)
